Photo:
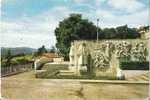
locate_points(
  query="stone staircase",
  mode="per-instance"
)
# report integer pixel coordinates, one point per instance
(142, 77)
(66, 72)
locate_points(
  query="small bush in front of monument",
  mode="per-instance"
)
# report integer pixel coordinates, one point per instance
(83, 72)
(121, 78)
(130, 65)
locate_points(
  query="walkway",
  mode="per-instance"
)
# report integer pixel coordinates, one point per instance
(25, 87)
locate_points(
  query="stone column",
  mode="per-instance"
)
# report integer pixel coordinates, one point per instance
(82, 58)
(71, 57)
(116, 64)
(35, 64)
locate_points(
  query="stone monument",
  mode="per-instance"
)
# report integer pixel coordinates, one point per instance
(104, 57)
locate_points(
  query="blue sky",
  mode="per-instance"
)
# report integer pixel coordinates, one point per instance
(31, 23)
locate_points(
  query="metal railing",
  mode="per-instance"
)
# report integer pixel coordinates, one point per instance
(14, 69)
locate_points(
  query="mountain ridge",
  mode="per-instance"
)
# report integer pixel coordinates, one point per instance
(17, 50)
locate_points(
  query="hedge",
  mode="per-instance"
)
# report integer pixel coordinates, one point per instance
(134, 65)
(16, 62)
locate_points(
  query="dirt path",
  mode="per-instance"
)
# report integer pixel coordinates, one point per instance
(24, 75)
(25, 87)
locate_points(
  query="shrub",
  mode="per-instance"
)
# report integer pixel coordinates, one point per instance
(22, 61)
(134, 65)
(3, 63)
(42, 61)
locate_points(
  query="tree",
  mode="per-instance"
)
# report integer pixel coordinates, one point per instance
(76, 28)
(52, 50)
(73, 28)
(41, 50)
(123, 32)
(8, 57)
(120, 32)
(109, 33)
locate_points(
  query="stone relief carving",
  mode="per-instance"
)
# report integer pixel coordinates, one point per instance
(123, 51)
(101, 61)
(102, 53)
(102, 56)
(139, 52)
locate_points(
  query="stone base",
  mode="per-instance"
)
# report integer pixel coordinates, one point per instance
(66, 72)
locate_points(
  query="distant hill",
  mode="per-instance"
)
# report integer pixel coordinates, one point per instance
(17, 50)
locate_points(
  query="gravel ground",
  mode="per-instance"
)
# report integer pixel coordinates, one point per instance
(25, 87)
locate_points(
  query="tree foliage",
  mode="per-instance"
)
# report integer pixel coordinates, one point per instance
(76, 28)
(40, 51)
(120, 32)
(73, 28)
(8, 57)
(52, 49)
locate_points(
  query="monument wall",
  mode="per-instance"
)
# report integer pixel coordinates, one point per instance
(103, 57)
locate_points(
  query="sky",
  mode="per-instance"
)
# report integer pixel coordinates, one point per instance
(31, 23)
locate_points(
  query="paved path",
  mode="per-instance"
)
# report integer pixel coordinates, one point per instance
(25, 87)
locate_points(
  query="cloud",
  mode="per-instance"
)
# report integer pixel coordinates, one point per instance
(109, 19)
(80, 1)
(126, 5)
(33, 31)
(23, 40)
(16, 35)
(99, 2)
(30, 32)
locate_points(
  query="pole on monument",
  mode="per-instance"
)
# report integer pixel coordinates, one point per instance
(148, 53)
(97, 29)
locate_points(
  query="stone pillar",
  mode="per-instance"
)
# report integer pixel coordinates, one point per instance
(82, 61)
(116, 61)
(72, 57)
(35, 64)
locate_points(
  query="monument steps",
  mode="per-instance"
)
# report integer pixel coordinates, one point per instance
(66, 72)
(142, 77)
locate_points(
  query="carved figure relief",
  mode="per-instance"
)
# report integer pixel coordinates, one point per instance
(101, 61)
(103, 53)
(139, 52)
